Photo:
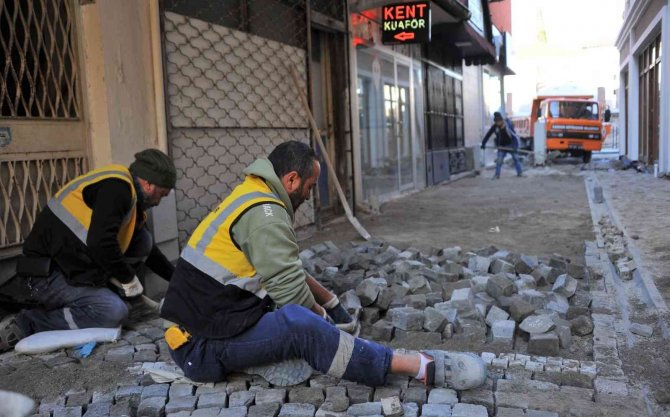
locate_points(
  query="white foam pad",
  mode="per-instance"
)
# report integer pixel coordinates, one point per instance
(43, 342)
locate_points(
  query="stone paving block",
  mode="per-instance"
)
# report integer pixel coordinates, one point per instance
(415, 395)
(219, 387)
(574, 378)
(479, 264)
(151, 407)
(436, 410)
(534, 366)
(305, 395)
(500, 363)
(386, 392)
(236, 385)
(122, 408)
(641, 329)
(543, 344)
(98, 409)
(241, 398)
(156, 390)
(268, 395)
(503, 331)
(538, 413)
(181, 390)
(518, 374)
(509, 412)
(537, 324)
(60, 411)
(102, 397)
(214, 399)
(469, 410)
(391, 407)
(565, 285)
(206, 412)
(496, 314)
(234, 412)
(264, 410)
(422, 339)
(442, 396)
(434, 320)
(499, 286)
(365, 409)
(610, 387)
(180, 414)
(480, 396)
(297, 410)
(406, 318)
(80, 399)
(359, 394)
(180, 404)
(145, 356)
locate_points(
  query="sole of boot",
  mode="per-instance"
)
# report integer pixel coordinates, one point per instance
(464, 370)
(283, 374)
(9, 333)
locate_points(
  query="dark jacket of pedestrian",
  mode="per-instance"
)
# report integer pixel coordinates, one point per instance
(505, 135)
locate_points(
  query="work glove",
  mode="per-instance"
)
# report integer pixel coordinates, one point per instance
(483, 146)
(340, 316)
(132, 289)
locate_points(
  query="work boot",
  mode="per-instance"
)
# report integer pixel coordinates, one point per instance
(457, 370)
(496, 177)
(283, 374)
(10, 333)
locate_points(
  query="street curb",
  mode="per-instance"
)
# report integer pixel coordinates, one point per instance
(641, 276)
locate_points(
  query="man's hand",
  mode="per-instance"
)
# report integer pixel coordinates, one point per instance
(483, 146)
(132, 289)
(337, 312)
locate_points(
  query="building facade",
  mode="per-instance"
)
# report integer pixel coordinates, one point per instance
(644, 92)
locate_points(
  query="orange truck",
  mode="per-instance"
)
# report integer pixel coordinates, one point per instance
(572, 124)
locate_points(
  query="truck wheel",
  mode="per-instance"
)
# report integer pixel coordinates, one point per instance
(586, 157)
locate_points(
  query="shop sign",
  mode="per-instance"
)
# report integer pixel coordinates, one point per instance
(406, 23)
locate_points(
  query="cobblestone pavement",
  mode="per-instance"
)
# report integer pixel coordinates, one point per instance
(600, 382)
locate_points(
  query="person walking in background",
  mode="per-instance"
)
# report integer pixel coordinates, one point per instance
(506, 140)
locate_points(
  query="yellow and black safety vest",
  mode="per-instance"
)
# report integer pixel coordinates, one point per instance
(230, 297)
(69, 206)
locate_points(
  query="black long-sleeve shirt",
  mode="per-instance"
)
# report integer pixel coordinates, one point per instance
(101, 258)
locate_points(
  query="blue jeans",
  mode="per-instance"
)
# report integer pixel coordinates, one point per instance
(501, 157)
(63, 306)
(288, 333)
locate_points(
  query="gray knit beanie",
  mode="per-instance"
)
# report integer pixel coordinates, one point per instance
(155, 167)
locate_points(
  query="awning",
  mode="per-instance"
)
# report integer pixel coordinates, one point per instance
(473, 47)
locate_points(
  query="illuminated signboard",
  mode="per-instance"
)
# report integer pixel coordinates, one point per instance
(406, 23)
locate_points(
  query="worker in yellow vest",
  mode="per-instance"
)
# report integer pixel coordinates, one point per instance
(81, 258)
(241, 300)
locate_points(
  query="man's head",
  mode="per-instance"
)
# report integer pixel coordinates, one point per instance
(297, 168)
(155, 173)
(498, 119)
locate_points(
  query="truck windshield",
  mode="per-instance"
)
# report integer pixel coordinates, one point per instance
(573, 110)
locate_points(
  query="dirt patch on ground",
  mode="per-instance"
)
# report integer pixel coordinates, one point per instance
(542, 214)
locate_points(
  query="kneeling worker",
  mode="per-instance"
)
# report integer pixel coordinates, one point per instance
(82, 256)
(241, 299)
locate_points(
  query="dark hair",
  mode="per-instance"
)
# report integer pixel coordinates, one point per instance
(293, 156)
(497, 116)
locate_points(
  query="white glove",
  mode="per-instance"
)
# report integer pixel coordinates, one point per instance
(131, 289)
(332, 303)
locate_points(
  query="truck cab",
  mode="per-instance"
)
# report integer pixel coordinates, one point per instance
(572, 124)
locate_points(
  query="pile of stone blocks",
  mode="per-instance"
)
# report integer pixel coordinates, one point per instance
(488, 296)
(615, 245)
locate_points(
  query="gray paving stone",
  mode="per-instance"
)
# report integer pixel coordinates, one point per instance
(60, 411)
(406, 318)
(537, 324)
(510, 412)
(321, 412)
(365, 409)
(206, 412)
(156, 390)
(122, 408)
(499, 286)
(264, 410)
(181, 390)
(415, 395)
(151, 407)
(641, 329)
(180, 404)
(297, 410)
(145, 356)
(503, 331)
(98, 409)
(241, 398)
(180, 414)
(391, 407)
(323, 381)
(219, 387)
(234, 412)
(236, 385)
(213, 399)
(102, 397)
(306, 395)
(538, 413)
(469, 410)
(434, 320)
(386, 392)
(436, 410)
(79, 399)
(543, 344)
(565, 285)
(275, 395)
(442, 396)
(610, 387)
(359, 394)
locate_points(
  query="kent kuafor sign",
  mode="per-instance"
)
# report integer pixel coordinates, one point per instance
(406, 23)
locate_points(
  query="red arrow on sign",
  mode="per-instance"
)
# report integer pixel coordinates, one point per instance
(403, 36)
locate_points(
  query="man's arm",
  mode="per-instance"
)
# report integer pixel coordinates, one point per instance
(110, 201)
(159, 263)
(268, 241)
(487, 136)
